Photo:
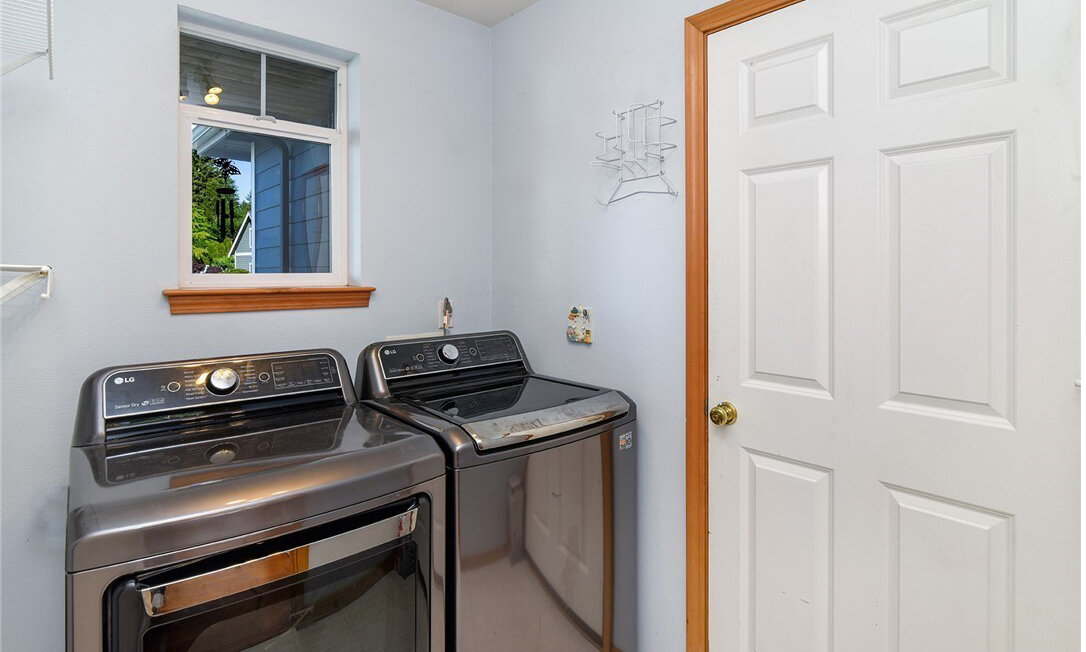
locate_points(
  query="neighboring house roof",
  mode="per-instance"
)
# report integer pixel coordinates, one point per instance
(221, 142)
(246, 224)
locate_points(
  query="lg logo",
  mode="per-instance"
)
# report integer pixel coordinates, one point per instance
(390, 351)
(120, 380)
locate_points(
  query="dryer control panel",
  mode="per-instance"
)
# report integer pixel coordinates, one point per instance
(402, 359)
(160, 388)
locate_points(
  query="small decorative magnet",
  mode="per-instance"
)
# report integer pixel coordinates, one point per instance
(579, 329)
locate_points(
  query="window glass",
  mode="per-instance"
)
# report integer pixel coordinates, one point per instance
(260, 204)
(299, 92)
(220, 76)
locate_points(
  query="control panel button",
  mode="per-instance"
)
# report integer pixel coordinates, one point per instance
(448, 353)
(263, 377)
(222, 381)
(173, 386)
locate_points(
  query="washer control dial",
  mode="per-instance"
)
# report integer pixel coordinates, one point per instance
(448, 353)
(222, 381)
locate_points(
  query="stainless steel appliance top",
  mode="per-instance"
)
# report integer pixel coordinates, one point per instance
(215, 462)
(479, 395)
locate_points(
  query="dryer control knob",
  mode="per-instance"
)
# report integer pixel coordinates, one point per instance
(222, 454)
(222, 381)
(448, 353)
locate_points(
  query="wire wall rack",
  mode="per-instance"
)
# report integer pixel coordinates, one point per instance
(637, 152)
(30, 275)
(26, 33)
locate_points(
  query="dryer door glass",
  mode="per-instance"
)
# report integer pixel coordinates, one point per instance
(374, 599)
(369, 602)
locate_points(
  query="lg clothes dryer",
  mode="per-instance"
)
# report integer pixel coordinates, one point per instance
(245, 504)
(542, 491)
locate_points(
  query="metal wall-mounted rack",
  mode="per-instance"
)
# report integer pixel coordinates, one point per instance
(31, 274)
(637, 152)
(26, 28)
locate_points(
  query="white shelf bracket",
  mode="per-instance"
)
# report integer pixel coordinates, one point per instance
(31, 274)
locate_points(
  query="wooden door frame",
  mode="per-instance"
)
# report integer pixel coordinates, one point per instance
(698, 28)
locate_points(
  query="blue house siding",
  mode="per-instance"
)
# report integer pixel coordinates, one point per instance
(267, 200)
(308, 217)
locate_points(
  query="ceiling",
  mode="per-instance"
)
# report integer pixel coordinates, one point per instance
(487, 12)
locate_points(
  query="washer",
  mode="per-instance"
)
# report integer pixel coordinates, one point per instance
(253, 507)
(542, 491)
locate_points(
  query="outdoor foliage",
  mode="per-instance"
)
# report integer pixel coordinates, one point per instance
(207, 177)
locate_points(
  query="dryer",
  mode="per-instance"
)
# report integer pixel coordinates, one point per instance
(244, 503)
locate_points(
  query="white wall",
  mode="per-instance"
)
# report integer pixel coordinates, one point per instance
(560, 67)
(90, 186)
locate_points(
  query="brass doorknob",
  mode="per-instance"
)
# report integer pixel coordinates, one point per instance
(724, 414)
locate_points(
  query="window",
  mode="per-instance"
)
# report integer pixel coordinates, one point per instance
(263, 167)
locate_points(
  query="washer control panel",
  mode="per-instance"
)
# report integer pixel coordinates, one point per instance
(141, 390)
(402, 359)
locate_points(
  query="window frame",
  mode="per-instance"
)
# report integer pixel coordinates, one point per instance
(335, 137)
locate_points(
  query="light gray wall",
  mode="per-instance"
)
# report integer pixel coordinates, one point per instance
(90, 166)
(89, 185)
(560, 67)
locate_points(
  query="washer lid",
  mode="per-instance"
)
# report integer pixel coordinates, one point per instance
(514, 409)
(548, 422)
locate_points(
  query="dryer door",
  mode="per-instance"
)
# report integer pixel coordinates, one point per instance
(325, 589)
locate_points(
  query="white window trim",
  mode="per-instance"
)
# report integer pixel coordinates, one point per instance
(336, 138)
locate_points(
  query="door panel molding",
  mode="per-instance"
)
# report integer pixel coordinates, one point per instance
(786, 532)
(965, 370)
(697, 29)
(922, 527)
(913, 63)
(787, 215)
(789, 84)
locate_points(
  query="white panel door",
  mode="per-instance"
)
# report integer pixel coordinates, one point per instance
(894, 311)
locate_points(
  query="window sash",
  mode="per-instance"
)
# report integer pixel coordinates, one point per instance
(191, 114)
(265, 61)
(270, 49)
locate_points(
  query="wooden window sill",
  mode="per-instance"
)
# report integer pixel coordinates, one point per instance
(190, 301)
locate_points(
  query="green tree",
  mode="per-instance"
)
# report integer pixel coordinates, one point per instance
(208, 176)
